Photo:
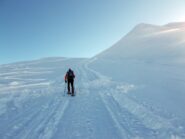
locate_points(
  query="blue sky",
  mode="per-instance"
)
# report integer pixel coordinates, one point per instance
(31, 29)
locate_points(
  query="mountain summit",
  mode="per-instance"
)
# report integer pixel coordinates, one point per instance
(154, 42)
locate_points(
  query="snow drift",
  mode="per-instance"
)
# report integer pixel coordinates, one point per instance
(134, 89)
(153, 58)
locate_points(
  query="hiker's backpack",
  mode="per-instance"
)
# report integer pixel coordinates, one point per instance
(70, 74)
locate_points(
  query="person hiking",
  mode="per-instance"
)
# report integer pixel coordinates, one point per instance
(69, 79)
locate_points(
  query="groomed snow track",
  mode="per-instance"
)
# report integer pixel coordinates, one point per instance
(98, 111)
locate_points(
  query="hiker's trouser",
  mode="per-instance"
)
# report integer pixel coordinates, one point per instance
(70, 83)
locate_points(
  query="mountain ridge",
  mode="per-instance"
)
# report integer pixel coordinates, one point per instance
(146, 40)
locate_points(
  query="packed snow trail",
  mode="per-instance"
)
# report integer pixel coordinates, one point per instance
(98, 111)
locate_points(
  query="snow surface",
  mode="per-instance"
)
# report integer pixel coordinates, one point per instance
(133, 90)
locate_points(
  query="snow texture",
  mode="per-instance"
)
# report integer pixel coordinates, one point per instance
(133, 90)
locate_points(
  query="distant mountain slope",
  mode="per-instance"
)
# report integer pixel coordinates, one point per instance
(153, 58)
(150, 42)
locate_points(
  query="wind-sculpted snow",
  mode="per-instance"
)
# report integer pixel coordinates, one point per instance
(34, 106)
(150, 43)
(134, 90)
(150, 59)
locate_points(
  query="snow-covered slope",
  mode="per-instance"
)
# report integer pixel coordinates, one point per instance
(153, 59)
(149, 42)
(134, 90)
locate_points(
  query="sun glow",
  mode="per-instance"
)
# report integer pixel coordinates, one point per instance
(180, 19)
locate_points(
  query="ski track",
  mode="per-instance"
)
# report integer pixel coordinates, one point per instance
(96, 112)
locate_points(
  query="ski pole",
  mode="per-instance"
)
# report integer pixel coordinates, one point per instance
(65, 89)
(74, 90)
